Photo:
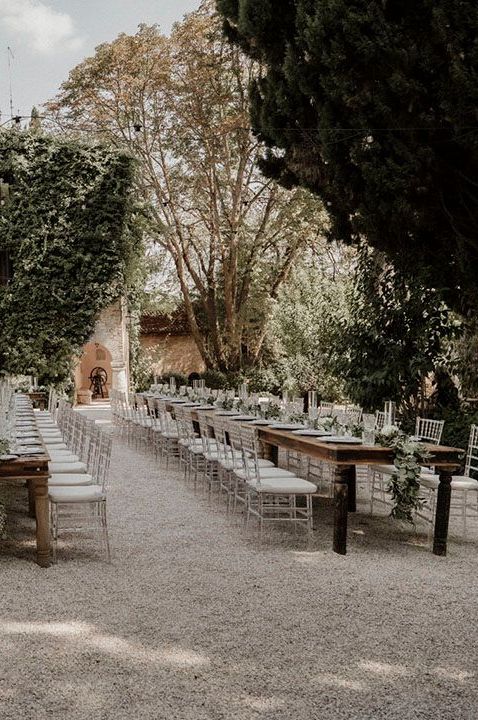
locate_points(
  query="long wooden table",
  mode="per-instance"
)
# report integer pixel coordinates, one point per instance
(33, 468)
(446, 460)
(346, 457)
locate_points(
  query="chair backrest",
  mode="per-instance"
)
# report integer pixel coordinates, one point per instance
(78, 428)
(250, 457)
(379, 419)
(353, 414)
(205, 431)
(184, 423)
(471, 464)
(429, 430)
(220, 428)
(84, 450)
(234, 450)
(326, 409)
(100, 448)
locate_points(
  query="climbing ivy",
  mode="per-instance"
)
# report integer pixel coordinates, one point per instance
(69, 230)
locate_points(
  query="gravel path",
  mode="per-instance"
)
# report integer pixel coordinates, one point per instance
(194, 621)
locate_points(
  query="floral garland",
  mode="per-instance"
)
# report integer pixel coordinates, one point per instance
(404, 485)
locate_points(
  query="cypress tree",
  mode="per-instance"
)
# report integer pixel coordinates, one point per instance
(373, 105)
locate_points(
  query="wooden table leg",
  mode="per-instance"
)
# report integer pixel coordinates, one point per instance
(343, 479)
(40, 488)
(352, 494)
(442, 512)
(270, 452)
(31, 499)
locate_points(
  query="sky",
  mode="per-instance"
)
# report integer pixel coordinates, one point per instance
(47, 38)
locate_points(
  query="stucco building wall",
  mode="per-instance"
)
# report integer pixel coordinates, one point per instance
(174, 353)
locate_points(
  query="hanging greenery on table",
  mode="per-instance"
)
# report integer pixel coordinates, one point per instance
(69, 233)
(404, 484)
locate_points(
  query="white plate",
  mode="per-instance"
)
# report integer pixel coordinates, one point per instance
(312, 433)
(342, 440)
(287, 426)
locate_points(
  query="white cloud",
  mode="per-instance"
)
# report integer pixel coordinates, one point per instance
(46, 30)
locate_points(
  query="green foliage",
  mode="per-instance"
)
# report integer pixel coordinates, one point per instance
(372, 105)
(466, 352)
(68, 229)
(179, 377)
(456, 430)
(308, 328)
(215, 379)
(395, 336)
(405, 482)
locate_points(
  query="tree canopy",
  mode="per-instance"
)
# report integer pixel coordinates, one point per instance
(373, 105)
(66, 231)
(181, 104)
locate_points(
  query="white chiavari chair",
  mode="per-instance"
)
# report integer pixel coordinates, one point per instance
(271, 493)
(72, 506)
(464, 488)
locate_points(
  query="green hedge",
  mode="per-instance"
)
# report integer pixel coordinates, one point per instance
(68, 231)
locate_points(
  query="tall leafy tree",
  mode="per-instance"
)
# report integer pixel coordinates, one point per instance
(396, 334)
(181, 104)
(373, 105)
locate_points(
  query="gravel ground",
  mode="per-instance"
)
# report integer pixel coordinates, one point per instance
(194, 621)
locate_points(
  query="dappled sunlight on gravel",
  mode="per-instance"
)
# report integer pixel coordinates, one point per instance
(193, 620)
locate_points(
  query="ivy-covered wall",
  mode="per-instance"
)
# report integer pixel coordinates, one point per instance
(68, 230)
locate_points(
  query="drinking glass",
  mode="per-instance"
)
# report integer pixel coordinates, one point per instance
(390, 410)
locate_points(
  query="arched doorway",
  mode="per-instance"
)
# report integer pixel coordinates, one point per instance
(95, 356)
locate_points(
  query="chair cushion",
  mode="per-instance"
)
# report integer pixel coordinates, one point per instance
(185, 442)
(196, 449)
(268, 473)
(70, 480)
(64, 457)
(285, 486)
(459, 482)
(76, 494)
(66, 467)
(58, 448)
(212, 456)
(230, 465)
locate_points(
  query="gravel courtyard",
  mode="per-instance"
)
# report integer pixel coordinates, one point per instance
(193, 620)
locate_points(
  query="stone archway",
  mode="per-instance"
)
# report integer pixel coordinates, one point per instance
(111, 336)
(94, 356)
